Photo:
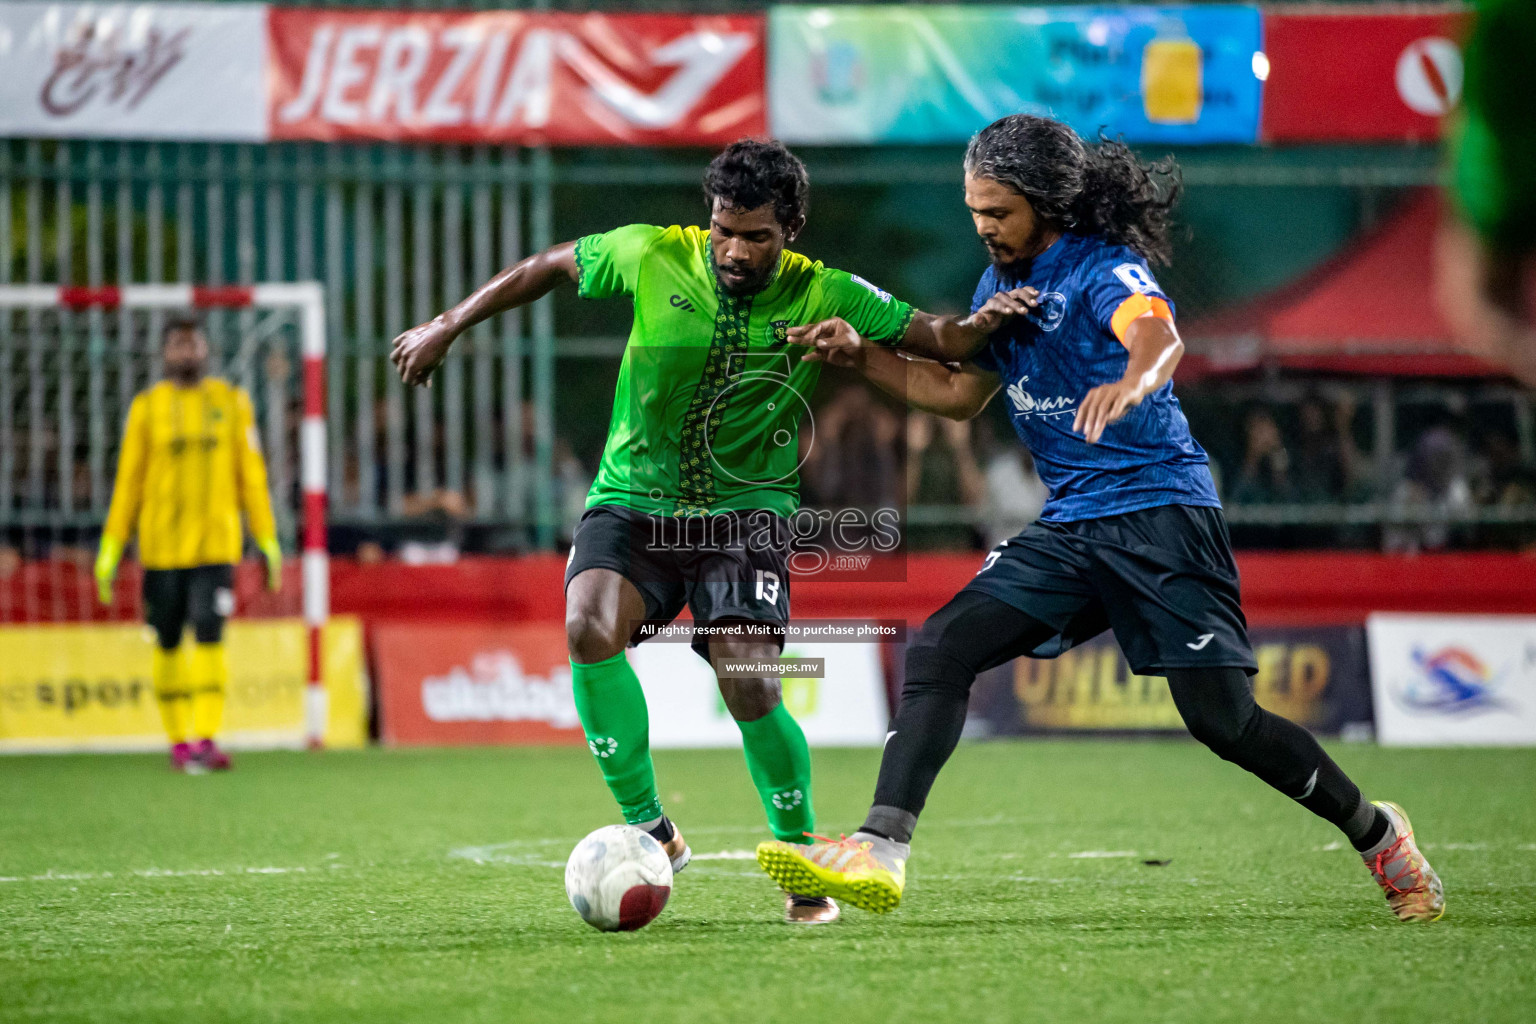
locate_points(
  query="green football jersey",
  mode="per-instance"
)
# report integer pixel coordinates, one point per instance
(707, 413)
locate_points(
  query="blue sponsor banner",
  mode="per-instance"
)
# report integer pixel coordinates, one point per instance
(937, 74)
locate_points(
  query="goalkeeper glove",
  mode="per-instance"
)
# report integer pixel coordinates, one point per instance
(273, 553)
(106, 567)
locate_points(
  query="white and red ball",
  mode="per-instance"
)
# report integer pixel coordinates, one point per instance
(618, 878)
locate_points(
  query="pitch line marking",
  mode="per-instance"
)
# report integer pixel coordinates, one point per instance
(93, 876)
(507, 853)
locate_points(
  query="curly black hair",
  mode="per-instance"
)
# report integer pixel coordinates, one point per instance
(1099, 188)
(754, 172)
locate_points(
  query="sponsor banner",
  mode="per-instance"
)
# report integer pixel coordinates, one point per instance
(845, 708)
(515, 77)
(1463, 680)
(1312, 675)
(920, 74)
(1372, 76)
(456, 684)
(459, 684)
(139, 71)
(89, 687)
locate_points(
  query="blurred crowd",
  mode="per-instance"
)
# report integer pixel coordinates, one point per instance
(1445, 470)
(963, 484)
(1291, 473)
(1295, 473)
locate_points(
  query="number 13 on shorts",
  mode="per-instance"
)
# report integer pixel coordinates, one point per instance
(767, 586)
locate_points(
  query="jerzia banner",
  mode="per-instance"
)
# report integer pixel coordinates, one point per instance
(515, 77)
(1316, 676)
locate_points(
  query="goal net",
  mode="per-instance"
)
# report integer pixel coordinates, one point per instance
(71, 362)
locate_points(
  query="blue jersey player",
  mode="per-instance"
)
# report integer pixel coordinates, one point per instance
(1071, 326)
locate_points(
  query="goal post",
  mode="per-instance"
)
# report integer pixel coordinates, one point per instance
(299, 305)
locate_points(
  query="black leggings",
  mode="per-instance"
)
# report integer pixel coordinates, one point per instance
(974, 632)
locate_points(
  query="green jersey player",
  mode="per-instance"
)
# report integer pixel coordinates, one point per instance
(699, 473)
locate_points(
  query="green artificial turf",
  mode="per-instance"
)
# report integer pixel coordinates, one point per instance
(426, 886)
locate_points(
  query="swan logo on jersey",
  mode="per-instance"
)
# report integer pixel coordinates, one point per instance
(1053, 307)
(1026, 404)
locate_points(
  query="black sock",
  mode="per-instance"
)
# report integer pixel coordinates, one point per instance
(1217, 704)
(663, 832)
(923, 736)
(970, 634)
(1374, 832)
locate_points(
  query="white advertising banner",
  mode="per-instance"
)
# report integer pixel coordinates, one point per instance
(1453, 680)
(135, 71)
(847, 708)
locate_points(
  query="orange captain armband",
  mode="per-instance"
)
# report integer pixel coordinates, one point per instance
(1136, 307)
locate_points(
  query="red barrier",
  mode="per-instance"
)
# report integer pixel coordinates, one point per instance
(1279, 588)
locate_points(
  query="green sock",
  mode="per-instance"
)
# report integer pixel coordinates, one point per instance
(613, 715)
(780, 763)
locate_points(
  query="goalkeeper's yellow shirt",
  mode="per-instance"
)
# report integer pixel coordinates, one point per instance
(190, 464)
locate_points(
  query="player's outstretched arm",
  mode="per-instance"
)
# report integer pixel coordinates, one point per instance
(956, 392)
(1155, 349)
(420, 350)
(127, 497)
(954, 339)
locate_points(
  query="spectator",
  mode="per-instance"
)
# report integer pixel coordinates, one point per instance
(851, 457)
(1327, 459)
(1265, 478)
(1014, 493)
(1505, 480)
(1433, 494)
(572, 481)
(942, 470)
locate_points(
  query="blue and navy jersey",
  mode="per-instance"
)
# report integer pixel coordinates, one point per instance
(1090, 291)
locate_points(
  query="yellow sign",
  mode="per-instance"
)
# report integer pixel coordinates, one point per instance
(1092, 688)
(88, 687)
(1172, 77)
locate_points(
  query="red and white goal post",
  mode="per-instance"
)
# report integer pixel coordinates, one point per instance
(63, 384)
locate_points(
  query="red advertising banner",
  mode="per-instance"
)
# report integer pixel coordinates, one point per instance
(515, 77)
(1357, 76)
(444, 684)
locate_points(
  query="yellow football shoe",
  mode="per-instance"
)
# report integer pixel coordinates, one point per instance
(1412, 888)
(865, 871)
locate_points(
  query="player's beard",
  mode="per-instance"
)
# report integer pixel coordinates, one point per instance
(185, 372)
(1013, 264)
(755, 282)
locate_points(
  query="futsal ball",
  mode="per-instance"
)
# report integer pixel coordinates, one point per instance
(618, 878)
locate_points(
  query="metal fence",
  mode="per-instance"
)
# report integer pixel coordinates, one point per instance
(394, 234)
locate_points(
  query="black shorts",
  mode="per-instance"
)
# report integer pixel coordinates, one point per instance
(1162, 578)
(203, 595)
(727, 566)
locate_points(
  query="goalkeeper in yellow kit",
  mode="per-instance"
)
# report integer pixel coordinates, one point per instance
(190, 464)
